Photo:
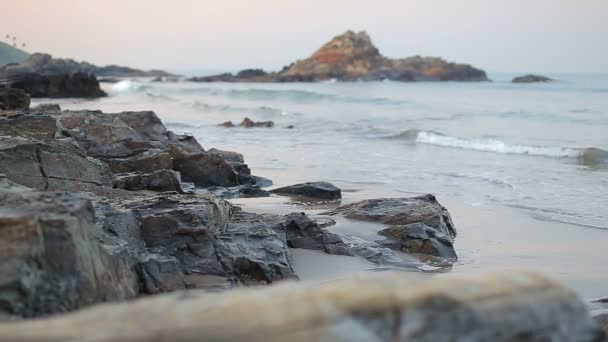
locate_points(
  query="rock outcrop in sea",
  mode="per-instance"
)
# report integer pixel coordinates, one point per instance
(353, 57)
(531, 78)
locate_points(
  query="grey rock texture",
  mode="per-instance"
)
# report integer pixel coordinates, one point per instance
(315, 190)
(379, 307)
(11, 99)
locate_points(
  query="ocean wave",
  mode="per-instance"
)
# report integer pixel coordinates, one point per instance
(585, 155)
(293, 95)
(261, 110)
(127, 86)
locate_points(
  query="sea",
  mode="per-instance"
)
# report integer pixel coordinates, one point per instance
(504, 158)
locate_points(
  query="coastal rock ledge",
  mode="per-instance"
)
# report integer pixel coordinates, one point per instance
(353, 57)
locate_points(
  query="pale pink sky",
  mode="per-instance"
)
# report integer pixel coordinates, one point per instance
(497, 35)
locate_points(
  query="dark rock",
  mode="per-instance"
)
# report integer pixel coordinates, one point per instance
(204, 169)
(248, 75)
(239, 191)
(51, 261)
(602, 322)
(530, 78)
(229, 156)
(227, 124)
(11, 99)
(401, 211)
(418, 238)
(320, 190)
(248, 123)
(146, 162)
(78, 84)
(60, 165)
(593, 157)
(161, 180)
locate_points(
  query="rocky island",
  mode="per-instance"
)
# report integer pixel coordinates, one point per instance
(353, 57)
(531, 78)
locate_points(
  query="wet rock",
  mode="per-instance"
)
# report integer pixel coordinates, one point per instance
(303, 232)
(45, 108)
(530, 78)
(401, 211)
(248, 123)
(161, 180)
(11, 99)
(379, 307)
(593, 157)
(239, 191)
(50, 260)
(320, 190)
(418, 238)
(64, 85)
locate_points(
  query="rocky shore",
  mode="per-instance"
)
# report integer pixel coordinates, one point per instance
(107, 207)
(353, 57)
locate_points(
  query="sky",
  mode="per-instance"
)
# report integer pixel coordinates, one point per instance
(178, 35)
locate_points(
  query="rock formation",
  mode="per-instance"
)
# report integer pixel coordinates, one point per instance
(313, 190)
(352, 57)
(530, 78)
(11, 99)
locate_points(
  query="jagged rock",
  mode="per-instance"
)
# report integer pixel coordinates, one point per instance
(530, 78)
(38, 127)
(11, 99)
(352, 56)
(161, 180)
(46, 166)
(239, 191)
(204, 169)
(50, 260)
(78, 84)
(302, 232)
(380, 307)
(418, 238)
(320, 190)
(146, 162)
(248, 123)
(401, 211)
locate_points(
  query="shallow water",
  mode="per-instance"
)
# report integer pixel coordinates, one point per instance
(501, 157)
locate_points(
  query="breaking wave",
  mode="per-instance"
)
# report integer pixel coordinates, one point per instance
(127, 86)
(490, 145)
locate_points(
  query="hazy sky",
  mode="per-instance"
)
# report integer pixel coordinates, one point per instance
(496, 35)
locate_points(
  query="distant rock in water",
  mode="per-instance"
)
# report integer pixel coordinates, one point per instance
(594, 157)
(248, 123)
(530, 78)
(62, 85)
(352, 57)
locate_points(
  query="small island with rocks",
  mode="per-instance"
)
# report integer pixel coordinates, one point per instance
(353, 57)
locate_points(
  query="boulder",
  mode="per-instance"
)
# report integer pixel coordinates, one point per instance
(401, 211)
(248, 123)
(146, 162)
(78, 84)
(530, 78)
(50, 260)
(204, 169)
(11, 99)
(37, 127)
(229, 156)
(379, 307)
(314, 190)
(593, 157)
(161, 180)
(418, 238)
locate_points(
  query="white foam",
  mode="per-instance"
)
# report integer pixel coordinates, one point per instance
(126, 86)
(494, 145)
